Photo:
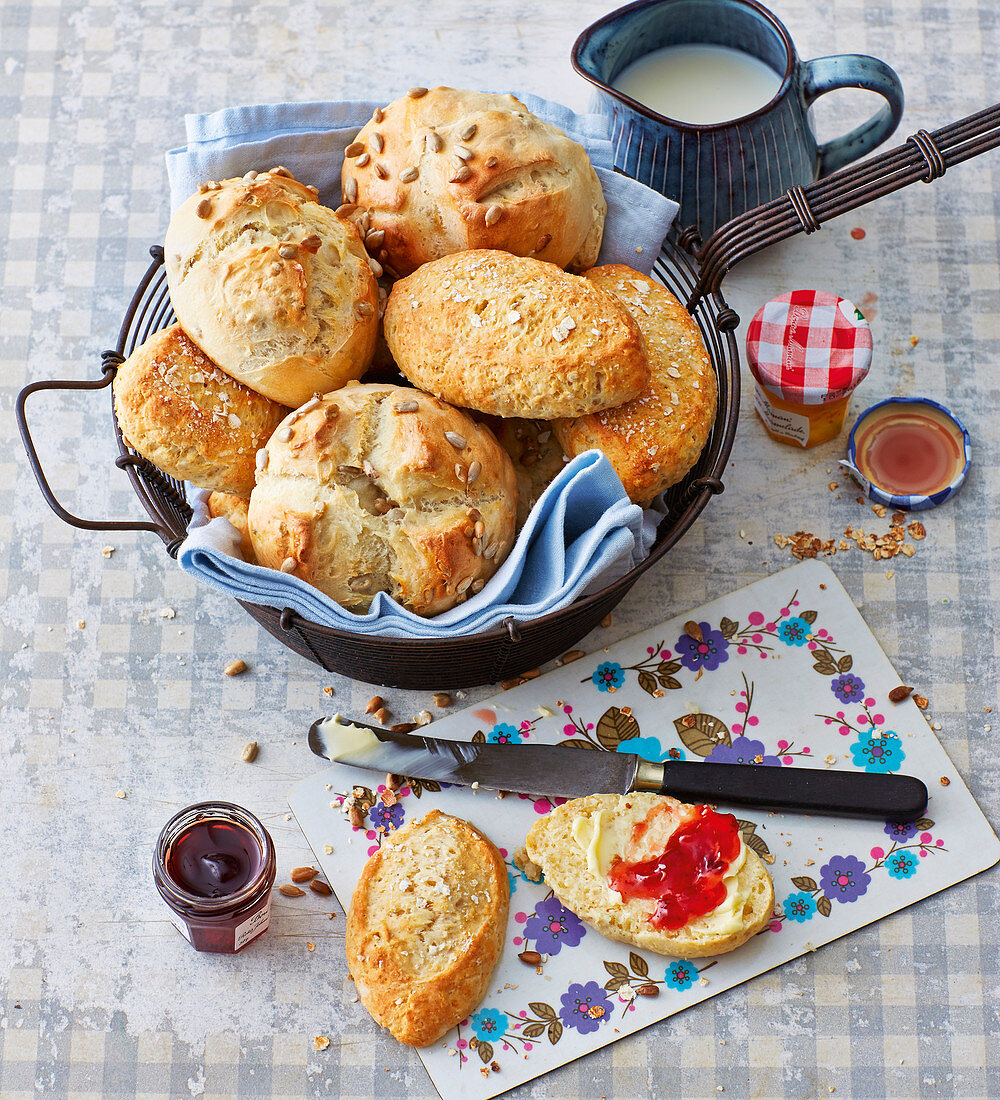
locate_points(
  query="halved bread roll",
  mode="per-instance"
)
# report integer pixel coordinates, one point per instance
(578, 843)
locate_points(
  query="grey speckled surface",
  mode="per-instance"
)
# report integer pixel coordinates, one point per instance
(100, 693)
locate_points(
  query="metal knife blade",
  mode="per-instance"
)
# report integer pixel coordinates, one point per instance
(552, 770)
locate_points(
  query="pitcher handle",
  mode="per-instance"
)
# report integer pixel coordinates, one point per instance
(853, 70)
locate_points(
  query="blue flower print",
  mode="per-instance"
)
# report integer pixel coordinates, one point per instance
(848, 688)
(680, 974)
(878, 751)
(902, 865)
(609, 676)
(503, 733)
(489, 1024)
(800, 907)
(649, 748)
(794, 631)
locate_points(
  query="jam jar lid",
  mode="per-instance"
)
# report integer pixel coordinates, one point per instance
(925, 436)
(809, 347)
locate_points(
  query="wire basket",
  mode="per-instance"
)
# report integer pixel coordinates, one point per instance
(693, 272)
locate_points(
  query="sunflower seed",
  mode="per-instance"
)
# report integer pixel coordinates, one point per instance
(375, 266)
(459, 442)
(288, 565)
(381, 171)
(250, 176)
(303, 874)
(312, 243)
(417, 93)
(362, 160)
(350, 471)
(377, 115)
(406, 407)
(350, 189)
(673, 372)
(380, 506)
(543, 241)
(283, 435)
(460, 471)
(468, 132)
(461, 175)
(312, 190)
(478, 584)
(287, 251)
(461, 587)
(355, 149)
(475, 469)
(369, 470)
(261, 460)
(311, 404)
(434, 142)
(491, 162)
(477, 547)
(281, 170)
(204, 208)
(361, 582)
(462, 153)
(234, 668)
(364, 309)
(202, 188)
(249, 753)
(332, 411)
(408, 175)
(491, 550)
(378, 142)
(493, 214)
(375, 239)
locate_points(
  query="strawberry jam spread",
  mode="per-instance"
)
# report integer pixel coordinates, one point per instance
(686, 879)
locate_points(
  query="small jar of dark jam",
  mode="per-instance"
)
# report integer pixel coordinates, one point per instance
(214, 866)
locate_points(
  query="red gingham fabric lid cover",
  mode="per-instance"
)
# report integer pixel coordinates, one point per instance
(809, 347)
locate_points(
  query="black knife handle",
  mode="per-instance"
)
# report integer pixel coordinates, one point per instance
(798, 790)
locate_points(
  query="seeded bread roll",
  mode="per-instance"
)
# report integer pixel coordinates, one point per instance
(273, 286)
(444, 170)
(536, 454)
(235, 510)
(654, 440)
(577, 843)
(379, 488)
(190, 419)
(513, 336)
(426, 926)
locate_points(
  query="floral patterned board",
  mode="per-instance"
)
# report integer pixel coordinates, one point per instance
(784, 674)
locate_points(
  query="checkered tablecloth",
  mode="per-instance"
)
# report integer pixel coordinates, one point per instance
(114, 710)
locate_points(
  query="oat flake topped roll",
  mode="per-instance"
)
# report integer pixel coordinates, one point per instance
(443, 170)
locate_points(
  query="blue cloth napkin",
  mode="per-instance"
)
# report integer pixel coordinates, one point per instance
(582, 534)
(309, 139)
(583, 527)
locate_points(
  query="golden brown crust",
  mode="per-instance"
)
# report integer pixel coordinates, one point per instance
(190, 419)
(384, 488)
(276, 288)
(426, 926)
(535, 452)
(488, 174)
(234, 509)
(513, 336)
(654, 440)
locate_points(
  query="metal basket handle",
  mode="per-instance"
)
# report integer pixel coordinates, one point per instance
(922, 156)
(111, 359)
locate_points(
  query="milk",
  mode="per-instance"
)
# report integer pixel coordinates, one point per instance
(700, 84)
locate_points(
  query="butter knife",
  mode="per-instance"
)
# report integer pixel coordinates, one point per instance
(571, 773)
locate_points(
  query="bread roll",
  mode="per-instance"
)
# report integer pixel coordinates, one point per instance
(190, 419)
(235, 510)
(426, 926)
(654, 440)
(577, 844)
(273, 286)
(450, 170)
(536, 454)
(514, 337)
(379, 488)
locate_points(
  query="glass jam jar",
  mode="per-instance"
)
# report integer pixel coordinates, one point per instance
(807, 351)
(214, 866)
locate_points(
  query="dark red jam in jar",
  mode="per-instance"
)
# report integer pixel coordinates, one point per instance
(686, 879)
(214, 866)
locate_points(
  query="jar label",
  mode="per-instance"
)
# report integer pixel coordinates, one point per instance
(787, 424)
(181, 927)
(252, 926)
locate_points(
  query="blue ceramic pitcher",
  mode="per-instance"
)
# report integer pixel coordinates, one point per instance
(718, 171)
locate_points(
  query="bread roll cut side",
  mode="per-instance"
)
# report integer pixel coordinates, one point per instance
(426, 926)
(552, 845)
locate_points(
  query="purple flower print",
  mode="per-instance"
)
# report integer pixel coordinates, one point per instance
(709, 653)
(848, 688)
(553, 927)
(390, 817)
(878, 751)
(743, 750)
(794, 631)
(609, 676)
(902, 864)
(844, 879)
(503, 733)
(900, 830)
(585, 1007)
(800, 907)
